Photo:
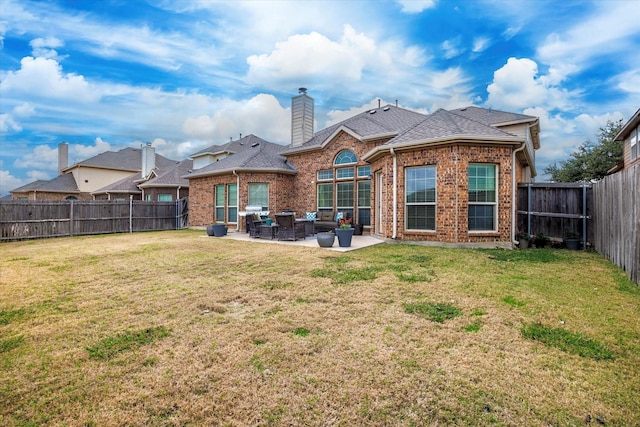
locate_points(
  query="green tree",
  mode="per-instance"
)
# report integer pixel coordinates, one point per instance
(590, 161)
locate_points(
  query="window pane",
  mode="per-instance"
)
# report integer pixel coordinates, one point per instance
(481, 217)
(259, 195)
(421, 217)
(421, 185)
(364, 171)
(343, 173)
(164, 197)
(325, 196)
(232, 203)
(325, 174)
(344, 196)
(482, 183)
(364, 216)
(364, 194)
(220, 213)
(219, 195)
(345, 157)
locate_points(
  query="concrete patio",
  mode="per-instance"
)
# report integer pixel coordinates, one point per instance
(357, 242)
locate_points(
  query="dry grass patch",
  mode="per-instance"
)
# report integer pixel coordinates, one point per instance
(281, 335)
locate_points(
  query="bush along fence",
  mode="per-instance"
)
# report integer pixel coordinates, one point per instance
(28, 219)
(557, 211)
(617, 220)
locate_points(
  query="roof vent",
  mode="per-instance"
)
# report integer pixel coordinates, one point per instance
(387, 108)
(302, 90)
(255, 144)
(372, 111)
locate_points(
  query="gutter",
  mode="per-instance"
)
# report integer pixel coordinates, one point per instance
(394, 235)
(513, 188)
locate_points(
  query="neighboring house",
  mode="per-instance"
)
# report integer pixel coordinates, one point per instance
(630, 134)
(109, 175)
(447, 177)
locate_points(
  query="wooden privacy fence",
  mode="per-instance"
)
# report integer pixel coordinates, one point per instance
(617, 220)
(555, 209)
(28, 219)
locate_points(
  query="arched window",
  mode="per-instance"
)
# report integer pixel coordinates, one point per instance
(71, 198)
(345, 157)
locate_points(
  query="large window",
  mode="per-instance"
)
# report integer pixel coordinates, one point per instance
(344, 197)
(232, 203)
(219, 203)
(420, 198)
(259, 195)
(482, 197)
(364, 202)
(325, 196)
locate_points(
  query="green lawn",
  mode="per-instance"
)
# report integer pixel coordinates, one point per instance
(176, 328)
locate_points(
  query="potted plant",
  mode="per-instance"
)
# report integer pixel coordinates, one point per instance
(572, 240)
(344, 232)
(326, 239)
(540, 240)
(523, 239)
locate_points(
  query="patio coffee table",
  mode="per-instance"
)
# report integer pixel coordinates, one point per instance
(269, 231)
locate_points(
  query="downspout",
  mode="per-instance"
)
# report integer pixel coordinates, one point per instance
(513, 188)
(177, 192)
(237, 199)
(394, 235)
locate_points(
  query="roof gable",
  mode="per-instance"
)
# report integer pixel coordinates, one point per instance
(64, 183)
(127, 159)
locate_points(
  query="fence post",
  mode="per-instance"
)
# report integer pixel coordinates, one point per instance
(584, 217)
(130, 213)
(71, 220)
(529, 209)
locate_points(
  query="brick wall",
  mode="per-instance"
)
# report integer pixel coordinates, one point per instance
(451, 164)
(44, 195)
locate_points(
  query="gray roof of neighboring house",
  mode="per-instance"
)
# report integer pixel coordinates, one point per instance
(64, 183)
(258, 155)
(232, 147)
(172, 176)
(129, 159)
(125, 185)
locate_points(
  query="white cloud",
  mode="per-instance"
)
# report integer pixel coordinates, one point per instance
(517, 85)
(416, 6)
(46, 47)
(480, 44)
(452, 47)
(9, 182)
(42, 158)
(629, 81)
(43, 78)
(8, 124)
(79, 152)
(609, 30)
(24, 109)
(261, 115)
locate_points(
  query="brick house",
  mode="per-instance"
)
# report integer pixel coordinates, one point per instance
(448, 177)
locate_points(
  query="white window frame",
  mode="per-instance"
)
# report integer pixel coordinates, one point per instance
(232, 209)
(485, 203)
(422, 203)
(251, 197)
(219, 188)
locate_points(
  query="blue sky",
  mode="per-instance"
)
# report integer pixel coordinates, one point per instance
(185, 74)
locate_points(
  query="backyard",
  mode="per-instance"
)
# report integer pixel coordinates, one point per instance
(176, 328)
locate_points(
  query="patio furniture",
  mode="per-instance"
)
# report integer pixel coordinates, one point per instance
(289, 229)
(269, 231)
(254, 226)
(308, 226)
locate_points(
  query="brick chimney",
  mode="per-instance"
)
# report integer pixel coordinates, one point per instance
(301, 118)
(148, 159)
(63, 157)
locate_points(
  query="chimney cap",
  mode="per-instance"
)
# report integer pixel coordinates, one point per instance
(302, 90)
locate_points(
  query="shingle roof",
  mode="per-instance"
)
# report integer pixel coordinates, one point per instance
(125, 185)
(445, 124)
(231, 147)
(64, 183)
(491, 117)
(129, 159)
(259, 155)
(172, 176)
(388, 120)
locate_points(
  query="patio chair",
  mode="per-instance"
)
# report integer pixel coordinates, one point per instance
(253, 226)
(289, 229)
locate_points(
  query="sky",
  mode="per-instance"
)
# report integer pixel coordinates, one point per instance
(187, 74)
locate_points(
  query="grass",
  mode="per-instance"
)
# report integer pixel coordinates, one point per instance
(174, 328)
